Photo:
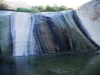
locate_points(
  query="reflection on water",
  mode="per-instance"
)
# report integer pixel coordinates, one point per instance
(59, 64)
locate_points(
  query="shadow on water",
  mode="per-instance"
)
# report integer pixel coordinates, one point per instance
(55, 64)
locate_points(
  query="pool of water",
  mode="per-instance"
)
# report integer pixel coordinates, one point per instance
(58, 64)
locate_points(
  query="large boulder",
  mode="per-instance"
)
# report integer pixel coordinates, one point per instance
(89, 14)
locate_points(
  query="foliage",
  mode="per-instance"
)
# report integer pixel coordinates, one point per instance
(32, 10)
(40, 8)
(52, 8)
(61, 8)
(47, 8)
(70, 9)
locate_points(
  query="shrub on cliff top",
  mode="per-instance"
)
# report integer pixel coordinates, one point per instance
(32, 10)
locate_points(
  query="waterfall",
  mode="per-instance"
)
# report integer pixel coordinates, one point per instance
(22, 25)
(44, 33)
(68, 31)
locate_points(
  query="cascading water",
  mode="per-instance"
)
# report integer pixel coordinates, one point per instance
(22, 32)
(44, 33)
(71, 31)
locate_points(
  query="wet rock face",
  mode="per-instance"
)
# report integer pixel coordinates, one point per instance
(23, 34)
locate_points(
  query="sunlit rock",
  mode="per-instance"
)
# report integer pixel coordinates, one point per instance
(89, 14)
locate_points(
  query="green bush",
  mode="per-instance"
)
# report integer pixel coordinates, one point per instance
(47, 8)
(52, 8)
(61, 8)
(32, 10)
(40, 8)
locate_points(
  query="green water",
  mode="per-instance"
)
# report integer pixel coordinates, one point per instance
(59, 64)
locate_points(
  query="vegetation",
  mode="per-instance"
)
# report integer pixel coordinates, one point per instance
(32, 10)
(2, 6)
(55, 8)
(47, 8)
(36, 9)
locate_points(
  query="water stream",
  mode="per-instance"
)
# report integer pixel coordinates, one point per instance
(22, 32)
